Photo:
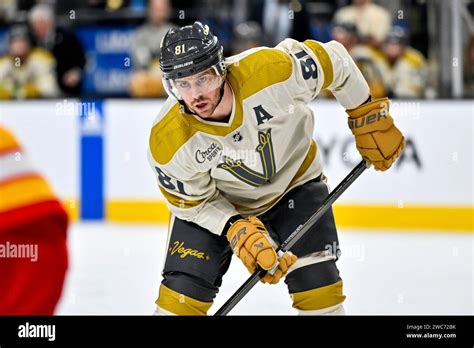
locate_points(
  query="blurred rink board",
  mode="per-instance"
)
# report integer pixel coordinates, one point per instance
(429, 188)
(51, 141)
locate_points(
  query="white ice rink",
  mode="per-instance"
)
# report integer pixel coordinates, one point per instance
(115, 269)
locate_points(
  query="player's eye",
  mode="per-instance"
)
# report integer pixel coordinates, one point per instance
(183, 84)
(202, 80)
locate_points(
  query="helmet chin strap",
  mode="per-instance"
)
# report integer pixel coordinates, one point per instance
(221, 95)
(221, 92)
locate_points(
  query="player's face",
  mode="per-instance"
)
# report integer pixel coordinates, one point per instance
(393, 50)
(200, 92)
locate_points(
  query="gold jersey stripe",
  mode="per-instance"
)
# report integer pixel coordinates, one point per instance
(180, 304)
(306, 163)
(24, 191)
(324, 60)
(169, 134)
(324, 297)
(260, 70)
(178, 201)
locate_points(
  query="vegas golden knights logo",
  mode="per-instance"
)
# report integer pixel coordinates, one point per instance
(265, 150)
(178, 247)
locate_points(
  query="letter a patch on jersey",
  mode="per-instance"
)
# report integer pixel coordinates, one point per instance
(265, 150)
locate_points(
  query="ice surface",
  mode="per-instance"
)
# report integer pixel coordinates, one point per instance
(115, 269)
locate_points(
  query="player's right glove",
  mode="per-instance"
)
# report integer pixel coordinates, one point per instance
(377, 138)
(251, 242)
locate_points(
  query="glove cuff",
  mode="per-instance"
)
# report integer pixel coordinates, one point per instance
(370, 117)
(364, 109)
(229, 223)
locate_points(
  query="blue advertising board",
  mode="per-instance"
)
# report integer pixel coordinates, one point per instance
(109, 62)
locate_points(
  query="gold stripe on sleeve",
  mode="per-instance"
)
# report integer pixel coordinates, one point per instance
(324, 60)
(178, 201)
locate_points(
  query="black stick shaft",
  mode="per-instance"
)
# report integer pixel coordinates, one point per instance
(294, 237)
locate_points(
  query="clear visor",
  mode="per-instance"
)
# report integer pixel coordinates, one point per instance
(192, 87)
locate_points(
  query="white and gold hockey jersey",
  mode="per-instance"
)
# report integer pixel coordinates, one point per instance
(211, 171)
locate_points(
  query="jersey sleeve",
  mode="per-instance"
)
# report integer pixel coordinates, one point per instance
(192, 196)
(318, 66)
(44, 74)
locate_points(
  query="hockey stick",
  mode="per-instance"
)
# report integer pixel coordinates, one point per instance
(295, 236)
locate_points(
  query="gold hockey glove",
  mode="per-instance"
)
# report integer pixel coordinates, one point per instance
(377, 138)
(251, 242)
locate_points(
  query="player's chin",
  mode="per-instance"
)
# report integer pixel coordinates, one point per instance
(206, 113)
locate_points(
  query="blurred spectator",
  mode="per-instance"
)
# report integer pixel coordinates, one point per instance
(372, 21)
(8, 10)
(406, 69)
(64, 46)
(246, 35)
(146, 81)
(63, 6)
(369, 59)
(469, 69)
(280, 19)
(113, 5)
(26, 71)
(146, 45)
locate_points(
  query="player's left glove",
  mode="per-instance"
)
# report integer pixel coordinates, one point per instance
(377, 138)
(252, 243)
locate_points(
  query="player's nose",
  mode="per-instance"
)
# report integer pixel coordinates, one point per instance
(196, 92)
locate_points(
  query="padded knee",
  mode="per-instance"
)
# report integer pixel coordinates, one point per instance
(324, 300)
(334, 310)
(182, 294)
(172, 302)
(316, 287)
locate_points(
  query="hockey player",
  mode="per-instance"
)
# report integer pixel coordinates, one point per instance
(234, 156)
(33, 233)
